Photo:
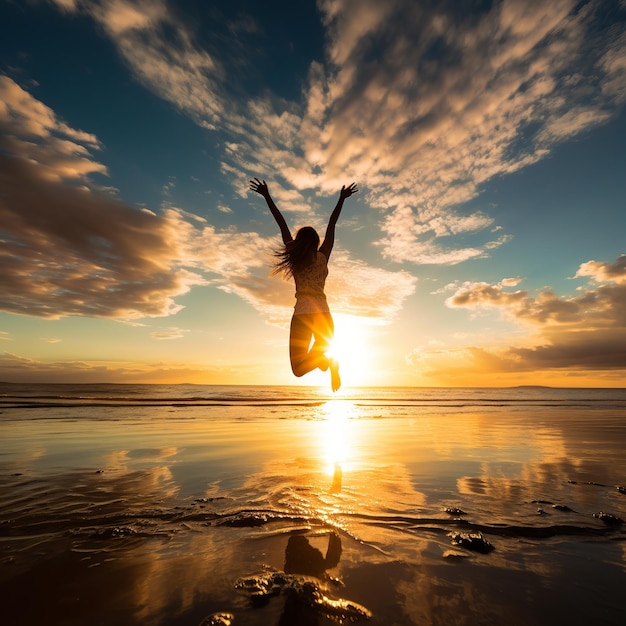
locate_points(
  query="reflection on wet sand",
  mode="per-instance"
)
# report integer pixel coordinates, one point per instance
(304, 585)
(302, 558)
(331, 514)
(335, 486)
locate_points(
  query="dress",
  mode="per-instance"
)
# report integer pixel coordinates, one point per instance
(310, 281)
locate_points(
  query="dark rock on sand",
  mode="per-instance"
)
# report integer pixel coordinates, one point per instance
(218, 619)
(608, 519)
(305, 590)
(452, 510)
(621, 489)
(563, 507)
(471, 541)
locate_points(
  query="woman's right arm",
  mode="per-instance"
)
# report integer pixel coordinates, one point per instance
(261, 188)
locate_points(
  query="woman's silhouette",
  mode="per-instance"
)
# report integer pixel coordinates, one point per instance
(305, 260)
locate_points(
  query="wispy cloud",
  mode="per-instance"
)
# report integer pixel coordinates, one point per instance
(70, 249)
(32, 131)
(159, 51)
(169, 333)
(426, 103)
(420, 102)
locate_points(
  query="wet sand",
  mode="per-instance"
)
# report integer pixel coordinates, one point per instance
(312, 515)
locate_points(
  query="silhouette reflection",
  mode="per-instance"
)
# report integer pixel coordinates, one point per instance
(302, 558)
(335, 487)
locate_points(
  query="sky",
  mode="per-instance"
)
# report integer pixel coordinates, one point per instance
(486, 245)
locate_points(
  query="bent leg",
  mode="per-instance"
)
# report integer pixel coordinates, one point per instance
(303, 329)
(324, 332)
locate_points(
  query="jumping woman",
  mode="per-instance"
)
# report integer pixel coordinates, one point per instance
(305, 260)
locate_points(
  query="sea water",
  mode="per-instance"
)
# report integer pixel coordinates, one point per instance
(168, 504)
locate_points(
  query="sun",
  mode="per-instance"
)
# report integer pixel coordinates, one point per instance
(351, 346)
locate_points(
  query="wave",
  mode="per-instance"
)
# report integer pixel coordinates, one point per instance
(167, 523)
(25, 396)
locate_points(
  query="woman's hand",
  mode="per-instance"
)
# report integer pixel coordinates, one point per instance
(259, 187)
(346, 192)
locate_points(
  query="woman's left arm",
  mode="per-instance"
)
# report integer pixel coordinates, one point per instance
(329, 239)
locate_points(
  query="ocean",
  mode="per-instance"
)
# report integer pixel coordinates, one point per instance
(200, 504)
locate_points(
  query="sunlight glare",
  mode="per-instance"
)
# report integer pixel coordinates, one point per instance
(335, 435)
(351, 348)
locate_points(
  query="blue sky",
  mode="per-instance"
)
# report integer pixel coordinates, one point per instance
(486, 244)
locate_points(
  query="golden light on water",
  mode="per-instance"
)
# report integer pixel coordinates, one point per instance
(337, 436)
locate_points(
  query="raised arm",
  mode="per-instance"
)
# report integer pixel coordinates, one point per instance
(329, 240)
(261, 188)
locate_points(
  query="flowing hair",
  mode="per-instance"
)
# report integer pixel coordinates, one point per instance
(298, 253)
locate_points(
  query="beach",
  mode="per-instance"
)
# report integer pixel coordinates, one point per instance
(189, 504)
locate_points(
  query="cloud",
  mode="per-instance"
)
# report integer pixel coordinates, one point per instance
(585, 332)
(587, 350)
(424, 102)
(605, 272)
(169, 333)
(69, 249)
(353, 288)
(476, 295)
(31, 130)
(427, 102)
(18, 369)
(421, 103)
(160, 53)
(601, 307)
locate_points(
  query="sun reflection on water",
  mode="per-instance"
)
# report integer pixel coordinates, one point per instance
(336, 436)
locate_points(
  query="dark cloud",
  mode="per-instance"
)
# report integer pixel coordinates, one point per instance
(69, 251)
(20, 369)
(586, 350)
(582, 332)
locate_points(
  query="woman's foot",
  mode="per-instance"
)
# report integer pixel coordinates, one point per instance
(335, 380)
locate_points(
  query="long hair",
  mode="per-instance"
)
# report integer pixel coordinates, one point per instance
(298, 253)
